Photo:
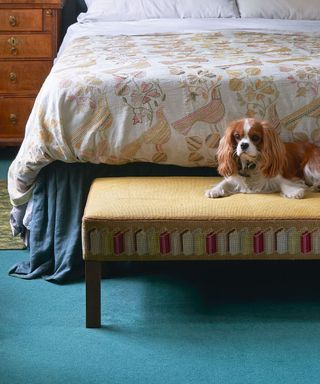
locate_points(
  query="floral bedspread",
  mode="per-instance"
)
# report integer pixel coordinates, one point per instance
(167, 98)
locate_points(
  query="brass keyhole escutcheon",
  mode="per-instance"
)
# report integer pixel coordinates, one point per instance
(13, 41)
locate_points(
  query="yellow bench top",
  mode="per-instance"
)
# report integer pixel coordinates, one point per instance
(182, 198)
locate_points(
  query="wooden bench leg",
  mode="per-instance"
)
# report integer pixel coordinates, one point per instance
(93, 294)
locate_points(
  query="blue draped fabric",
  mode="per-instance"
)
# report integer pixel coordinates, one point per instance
(59, 199)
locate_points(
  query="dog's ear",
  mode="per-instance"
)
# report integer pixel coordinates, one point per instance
(273, 153)
(226, 162)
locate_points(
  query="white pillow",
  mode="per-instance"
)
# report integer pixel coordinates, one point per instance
(280, 9)
(123, 10)
(207, 8)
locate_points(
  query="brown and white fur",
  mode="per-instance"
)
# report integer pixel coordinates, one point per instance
(253, 159)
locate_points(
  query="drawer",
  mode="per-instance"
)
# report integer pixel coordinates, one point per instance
(14, 113)
(17, 76)
(21, 20)
(26, 46)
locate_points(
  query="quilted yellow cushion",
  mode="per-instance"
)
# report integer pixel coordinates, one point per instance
(161, 218)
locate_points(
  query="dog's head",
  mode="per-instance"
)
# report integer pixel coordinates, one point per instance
(250, 141)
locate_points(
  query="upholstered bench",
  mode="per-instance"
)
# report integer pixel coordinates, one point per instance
(169, 218)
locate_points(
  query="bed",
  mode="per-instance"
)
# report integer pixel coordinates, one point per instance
(148, 90)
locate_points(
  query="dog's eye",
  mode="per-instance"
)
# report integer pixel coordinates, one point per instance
(237, 136)
(255, 138)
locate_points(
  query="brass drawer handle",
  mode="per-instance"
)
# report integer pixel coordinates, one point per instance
(13, 118)
(14, 50)
(13, 77)
(12, 21)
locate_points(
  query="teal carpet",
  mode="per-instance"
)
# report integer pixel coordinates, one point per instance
(179, 323)
(6, 156)
(232, 323)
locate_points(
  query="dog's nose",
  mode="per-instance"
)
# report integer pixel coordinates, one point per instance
(244, 146)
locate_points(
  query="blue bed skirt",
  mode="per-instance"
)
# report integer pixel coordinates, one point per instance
(59, 199)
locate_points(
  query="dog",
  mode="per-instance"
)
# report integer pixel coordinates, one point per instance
(252, 158)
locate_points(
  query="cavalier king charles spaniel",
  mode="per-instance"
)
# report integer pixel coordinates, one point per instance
(253, 159)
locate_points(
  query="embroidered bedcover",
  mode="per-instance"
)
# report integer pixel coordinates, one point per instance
(166, 98)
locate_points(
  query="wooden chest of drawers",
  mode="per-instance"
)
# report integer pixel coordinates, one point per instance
(29, 39)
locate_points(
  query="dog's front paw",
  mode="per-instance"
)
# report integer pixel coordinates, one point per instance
(295, 194)
(214, 193)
